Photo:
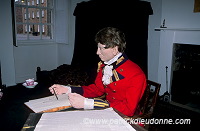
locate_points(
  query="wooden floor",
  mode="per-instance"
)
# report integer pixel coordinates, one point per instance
(172, 111)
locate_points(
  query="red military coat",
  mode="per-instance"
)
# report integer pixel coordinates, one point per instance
(125, 90)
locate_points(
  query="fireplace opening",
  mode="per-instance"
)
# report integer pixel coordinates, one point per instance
(185, 87)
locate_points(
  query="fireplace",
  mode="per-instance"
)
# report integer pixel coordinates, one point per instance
(185, 87)
(182, 81)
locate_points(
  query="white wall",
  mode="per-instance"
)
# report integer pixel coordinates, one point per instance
(178, 14)
(6, 47)
(154, 39)
(28, 58)
(65, 52)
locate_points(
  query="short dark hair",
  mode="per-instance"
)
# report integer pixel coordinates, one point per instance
(111, 37)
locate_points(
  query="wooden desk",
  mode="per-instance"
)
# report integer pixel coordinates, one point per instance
(31, 122)
(34, 118)
(13, 112)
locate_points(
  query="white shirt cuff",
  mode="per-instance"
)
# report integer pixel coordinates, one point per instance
(88, 103)
(69, 89)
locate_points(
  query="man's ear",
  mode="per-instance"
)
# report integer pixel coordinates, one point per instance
(115, 50)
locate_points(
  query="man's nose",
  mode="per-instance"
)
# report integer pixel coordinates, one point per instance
(97, 51)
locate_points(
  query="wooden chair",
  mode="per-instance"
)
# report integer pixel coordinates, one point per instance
(149, 99)
(146, 105)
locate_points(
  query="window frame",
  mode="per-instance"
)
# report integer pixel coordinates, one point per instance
(31, 41)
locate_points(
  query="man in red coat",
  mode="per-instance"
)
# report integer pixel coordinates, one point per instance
(118, 78)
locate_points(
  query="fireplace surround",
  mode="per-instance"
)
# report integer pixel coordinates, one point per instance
(168, 37)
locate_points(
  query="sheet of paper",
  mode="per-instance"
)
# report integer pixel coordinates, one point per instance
(88, 120)
(46, 103)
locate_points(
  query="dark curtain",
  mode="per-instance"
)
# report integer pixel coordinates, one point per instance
(131, 16)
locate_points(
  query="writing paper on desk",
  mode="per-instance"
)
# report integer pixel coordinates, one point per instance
(87, 120)
(48, 103)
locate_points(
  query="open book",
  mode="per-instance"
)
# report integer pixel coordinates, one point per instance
(49, 104)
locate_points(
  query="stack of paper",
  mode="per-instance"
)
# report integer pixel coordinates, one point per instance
(88, 120)
(49, 104)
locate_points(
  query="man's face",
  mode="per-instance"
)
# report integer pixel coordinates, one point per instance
(106, 54)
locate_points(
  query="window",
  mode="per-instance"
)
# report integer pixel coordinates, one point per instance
(42, 13)
(33, 14)
(43, 29)
(38, 14)
(30, 29)
(26, 28)
(33, 2)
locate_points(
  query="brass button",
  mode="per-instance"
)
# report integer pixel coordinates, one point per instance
(114, 91)
(121, 70)
(113, 98)
(115, 84)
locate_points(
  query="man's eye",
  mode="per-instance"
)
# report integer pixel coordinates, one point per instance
(101, 48)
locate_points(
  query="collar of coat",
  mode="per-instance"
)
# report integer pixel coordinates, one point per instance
(116, 75)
